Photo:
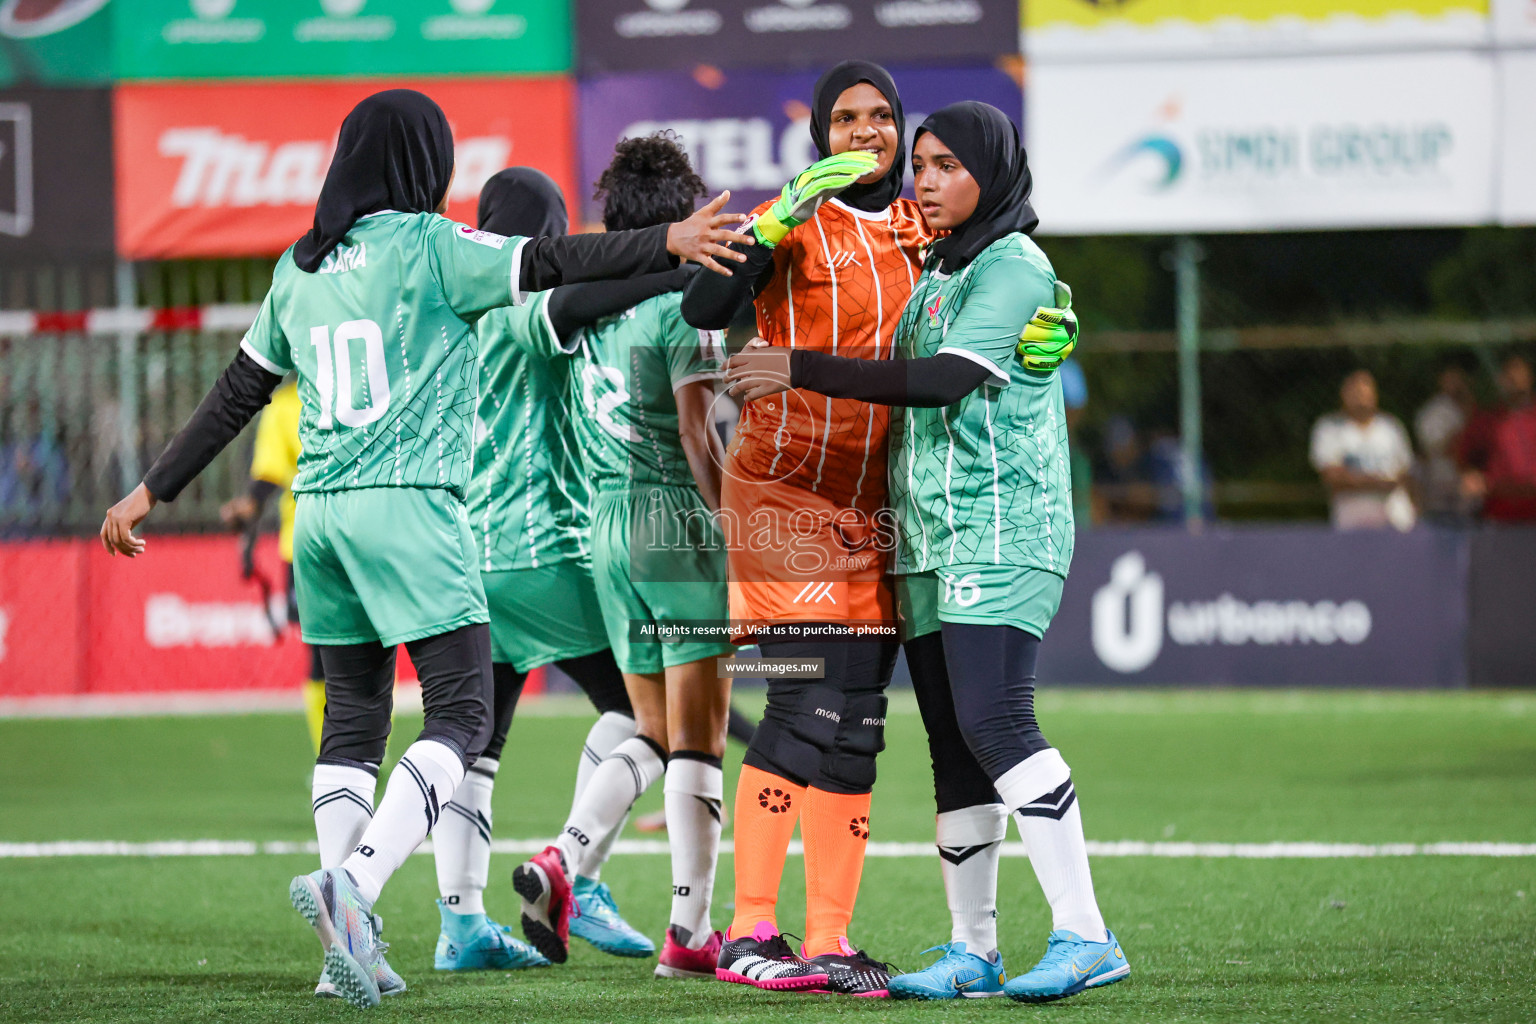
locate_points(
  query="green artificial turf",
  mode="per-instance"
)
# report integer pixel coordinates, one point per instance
(1379, 939)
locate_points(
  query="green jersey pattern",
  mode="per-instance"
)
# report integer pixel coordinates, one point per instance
(624, 371)
(986, 480)
(527, 495)
(383, 340)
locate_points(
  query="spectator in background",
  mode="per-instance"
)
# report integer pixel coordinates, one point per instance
(34, 476)
(1364, 458)
(1074, 392)
(1439, 425)
(1126, 477)
(1498, 450)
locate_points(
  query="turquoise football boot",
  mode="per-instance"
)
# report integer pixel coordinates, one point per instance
(473, 942)
(595, 917)
(354, 956)
(957, 974)
(1070, 965)
(390, 983)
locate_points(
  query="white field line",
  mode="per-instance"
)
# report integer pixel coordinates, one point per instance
(1096, 848)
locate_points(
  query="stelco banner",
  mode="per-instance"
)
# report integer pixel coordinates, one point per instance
(633, 35)
(1262, 145)
(330, 38)
(1302, 606)
(55, 41)
(208, 170)
(748, 131)
(1075, 30)
(55, 173)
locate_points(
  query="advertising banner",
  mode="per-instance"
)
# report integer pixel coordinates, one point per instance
(1514, 22)
(1077, 30)
(55, 173)
(1517, 136)
(208, 170)
(334, 38)
(1502, 646)
(639, 35)
(1260, 145)
(748, 131)
(1304, 606)
(57, 42)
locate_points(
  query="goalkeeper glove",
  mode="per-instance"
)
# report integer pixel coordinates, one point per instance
(1051, 334)
(803, 196)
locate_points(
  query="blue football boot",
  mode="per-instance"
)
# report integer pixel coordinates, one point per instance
(595, 917)
(957, 974)
(354, 956)
(473, 942)
(390, 983)
(1070, 965)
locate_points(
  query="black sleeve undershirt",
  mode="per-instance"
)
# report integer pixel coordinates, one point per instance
(235, 399)
(712, 305)
(926, 383)
(567, 259)
(574, 306)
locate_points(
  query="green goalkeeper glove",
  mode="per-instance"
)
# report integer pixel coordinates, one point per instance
(1051, 334)
(803, 196)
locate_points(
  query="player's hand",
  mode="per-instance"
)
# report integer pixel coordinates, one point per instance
(705, 235)
(813, 186)
(122, 519)
(1051, 334)
(237, 513)
(757, 371)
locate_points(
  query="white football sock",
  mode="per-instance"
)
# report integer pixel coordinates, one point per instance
(969, 841)
(343, 802)
(423, 780)
(615, 785)
(461, 843)
(610, 729)
(1039, 790)
(694, 790)
(593, 868)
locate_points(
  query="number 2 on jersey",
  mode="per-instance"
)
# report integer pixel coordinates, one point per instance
(334, 379)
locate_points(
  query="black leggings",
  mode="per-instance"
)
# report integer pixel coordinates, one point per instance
(597, 674)
(456, 685)
(826, 732)
(975, 689)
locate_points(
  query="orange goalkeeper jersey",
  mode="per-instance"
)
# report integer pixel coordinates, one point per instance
(806, 476)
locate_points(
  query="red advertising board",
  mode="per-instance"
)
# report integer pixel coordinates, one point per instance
(234, 170)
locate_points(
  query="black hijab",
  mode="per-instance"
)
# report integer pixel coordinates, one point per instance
(880, 194)
(987, 143)
(395, 152)
(523, 201)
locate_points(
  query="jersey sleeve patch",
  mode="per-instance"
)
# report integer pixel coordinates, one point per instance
(489, 238)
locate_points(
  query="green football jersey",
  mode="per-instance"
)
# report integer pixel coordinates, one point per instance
(623, 372)
(383, 340)
(527, 495)
(986, 480)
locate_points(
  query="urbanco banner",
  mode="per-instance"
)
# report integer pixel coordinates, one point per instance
(336, 38)
(234, 170)
(1263, 144)
(1278, 606)
(1078, 30)
(748, 131)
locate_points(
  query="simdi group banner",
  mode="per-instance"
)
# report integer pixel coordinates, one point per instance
(748, 131)
(1262, 144)
(231, 170)
(1076, 30)
(55, 173)
(330, 38)
(55, 42)
(633, 35)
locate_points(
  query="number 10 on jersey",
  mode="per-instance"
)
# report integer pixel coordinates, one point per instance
(334, 379)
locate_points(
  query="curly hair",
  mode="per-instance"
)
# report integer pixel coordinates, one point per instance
(650, 181)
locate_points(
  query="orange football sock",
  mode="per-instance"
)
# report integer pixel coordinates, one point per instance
(835, 829)
(766, 809)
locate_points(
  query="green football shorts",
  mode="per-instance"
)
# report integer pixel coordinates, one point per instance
(986, 594)
(544, 615)
(385, 564)
(657, 558)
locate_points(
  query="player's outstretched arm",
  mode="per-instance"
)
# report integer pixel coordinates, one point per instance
(234, 400)
(568, 259)
(760, 370)
(803, 196)
(574, 306)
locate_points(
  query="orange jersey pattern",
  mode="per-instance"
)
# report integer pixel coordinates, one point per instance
(839, 285)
